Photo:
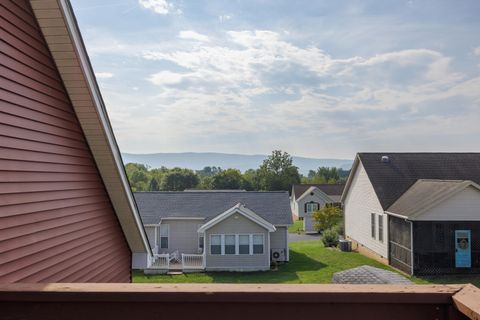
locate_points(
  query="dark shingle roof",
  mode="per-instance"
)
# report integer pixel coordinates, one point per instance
(271, 206)
(392, 179)
(329, 189)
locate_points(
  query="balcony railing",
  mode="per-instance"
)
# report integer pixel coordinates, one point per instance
(192, 261)
(160, 261)
(237, 301)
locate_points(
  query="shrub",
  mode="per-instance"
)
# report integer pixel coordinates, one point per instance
(330, 238)
(327, 217)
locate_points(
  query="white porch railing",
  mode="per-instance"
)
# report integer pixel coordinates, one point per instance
(160, 261)
(192, 261)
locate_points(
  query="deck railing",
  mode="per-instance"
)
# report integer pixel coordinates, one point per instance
(160, 261)
(192, 261)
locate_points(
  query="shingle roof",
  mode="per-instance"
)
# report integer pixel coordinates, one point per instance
(425, 193)
(271, 206)
(393, 178)
(329, 189)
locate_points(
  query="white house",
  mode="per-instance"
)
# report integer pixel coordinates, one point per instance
(307, 198)
(419, 212)
(214, 230)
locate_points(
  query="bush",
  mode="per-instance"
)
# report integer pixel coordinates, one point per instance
(327, 217)
(339, 228)
(330, 238)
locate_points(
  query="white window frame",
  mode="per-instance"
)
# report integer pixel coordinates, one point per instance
(373, 227)
(200, 240)
(210, 245)
(380, 229)
(234, 244)
(167, 236)
(249, 244)
(310, 205)
(263, 243)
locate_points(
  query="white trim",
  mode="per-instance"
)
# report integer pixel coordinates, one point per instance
(222, 244)
(396, 215)
(86, 67)
(237, 244)
(250, 244)
(241, 209)
(323, 195)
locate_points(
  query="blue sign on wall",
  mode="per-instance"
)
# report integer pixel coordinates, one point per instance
(463, 255)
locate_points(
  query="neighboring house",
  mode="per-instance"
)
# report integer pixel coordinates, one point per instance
(419, 212)
(216, 230)
(307, 198)
(66, 211)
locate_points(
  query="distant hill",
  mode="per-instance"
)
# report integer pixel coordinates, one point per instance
(197, 161)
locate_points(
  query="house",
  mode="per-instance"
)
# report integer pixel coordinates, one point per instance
(419, 212)
(215, 230)
(66, 211)
(307, 198)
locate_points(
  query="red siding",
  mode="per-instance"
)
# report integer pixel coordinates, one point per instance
(56, 220)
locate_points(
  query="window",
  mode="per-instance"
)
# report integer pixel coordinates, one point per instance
(164, 234)
(258, 243)
(230, 244)
(200, 242)
(380, 228)
(311, 207)
(372, 221)
(215, 244)
(244, 244)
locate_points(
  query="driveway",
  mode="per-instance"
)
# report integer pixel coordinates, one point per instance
(295, 237)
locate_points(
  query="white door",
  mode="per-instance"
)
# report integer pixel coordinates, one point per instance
(308, 223)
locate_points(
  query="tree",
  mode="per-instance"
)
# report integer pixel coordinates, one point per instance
(277, 172)
(179, 179)
(154, 186)
(251, 180)
(227, 179)
(327, 217)
(138, 176)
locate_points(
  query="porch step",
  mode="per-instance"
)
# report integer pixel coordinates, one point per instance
(174, 272)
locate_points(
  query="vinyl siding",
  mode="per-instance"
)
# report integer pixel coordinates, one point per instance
(463, 206)
(360, 202)
(183, 236)
(279, 240)
(237, 224)
(308, 222)
(57, 223)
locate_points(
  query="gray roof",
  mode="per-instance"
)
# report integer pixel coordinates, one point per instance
(272, 206)
(424, 194)
(334, 191)
(392, 179)
(368, 275)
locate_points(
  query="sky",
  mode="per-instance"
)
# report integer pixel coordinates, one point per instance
(321, 79)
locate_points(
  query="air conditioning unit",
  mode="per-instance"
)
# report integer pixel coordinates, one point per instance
(278, 255)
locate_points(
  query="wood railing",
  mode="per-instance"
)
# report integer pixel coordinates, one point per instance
(192, 261)
(160, 261)
(237, 301)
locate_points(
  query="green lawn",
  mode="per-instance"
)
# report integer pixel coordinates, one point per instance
(310, 262)
(296, 227)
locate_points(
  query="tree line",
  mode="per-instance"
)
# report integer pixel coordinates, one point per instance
(277, 172)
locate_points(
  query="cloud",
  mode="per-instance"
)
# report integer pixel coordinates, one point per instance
(192, 35)
(162, 7)
(224, 17)
(476, 51)
(103, 75)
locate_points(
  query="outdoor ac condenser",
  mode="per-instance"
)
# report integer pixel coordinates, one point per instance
(278, 255)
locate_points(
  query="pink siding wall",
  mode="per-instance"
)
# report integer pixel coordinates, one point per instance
(56, 220)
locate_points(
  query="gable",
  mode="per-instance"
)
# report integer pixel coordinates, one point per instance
(57, 223)
(462, 206)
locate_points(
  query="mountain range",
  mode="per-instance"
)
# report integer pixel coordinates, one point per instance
(199, 160)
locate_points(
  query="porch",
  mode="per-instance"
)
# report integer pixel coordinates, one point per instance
(167, 262)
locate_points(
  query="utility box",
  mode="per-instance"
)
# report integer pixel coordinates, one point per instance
(345, 245)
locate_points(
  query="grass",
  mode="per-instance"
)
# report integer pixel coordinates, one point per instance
(297, 226)
(310, 262)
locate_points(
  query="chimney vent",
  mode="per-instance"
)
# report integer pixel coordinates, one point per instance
(385, 159)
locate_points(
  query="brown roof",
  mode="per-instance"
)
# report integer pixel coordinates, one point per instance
(328, 189)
